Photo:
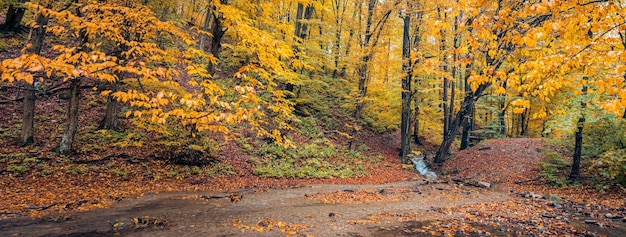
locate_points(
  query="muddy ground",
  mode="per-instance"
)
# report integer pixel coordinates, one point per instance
(208, 214)
(286, 212)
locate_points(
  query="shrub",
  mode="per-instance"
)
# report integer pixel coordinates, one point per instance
(611, 166)
(320, 159)
(553, 168)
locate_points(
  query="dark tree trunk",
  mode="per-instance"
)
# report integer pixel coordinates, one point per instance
(217, 30)
(405, 146)
(65, 146)
(28, 115)
(14, 17)
(416, 129)
(502, 111)
(450, 135)
(524, 117)
(578, 146)
(109, 121)
(362, 73)
(467, 129)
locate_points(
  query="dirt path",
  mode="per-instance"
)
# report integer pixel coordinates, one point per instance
(410, 208)
(192, 214)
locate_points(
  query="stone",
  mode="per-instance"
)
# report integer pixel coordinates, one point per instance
(484, 184)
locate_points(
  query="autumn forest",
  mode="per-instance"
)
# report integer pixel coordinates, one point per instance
(390, 117)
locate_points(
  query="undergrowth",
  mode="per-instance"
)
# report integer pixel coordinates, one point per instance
(318, 159)
(554, 168)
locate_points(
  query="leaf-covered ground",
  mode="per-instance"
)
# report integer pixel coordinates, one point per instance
(252, 206)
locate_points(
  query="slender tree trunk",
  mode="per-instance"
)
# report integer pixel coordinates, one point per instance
(502, 113)
(339, 10)
(405, 146)
(524, 117)
(357, 11)
(465, 110)
(370, 40)
(467, 129)
(205, 26)
(362, 73)
(578, 146)
(442, 49)
(14, 17)
(65, 146)
(28, 115)
(416, 127)
(217, 30)
(109, 121)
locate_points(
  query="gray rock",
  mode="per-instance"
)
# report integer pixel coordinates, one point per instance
(484, 184)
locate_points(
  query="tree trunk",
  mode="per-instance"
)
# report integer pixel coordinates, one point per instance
(578, 146)
(362, 72)
(217, 30)
(205, 26)
(65, 146)
(109, 121)
(14, 17)
(405, 146)
(501, 114)
(444, 68)
(524, 117)
(28, 115)
(465, 110)
(467, 129)
(339, 10)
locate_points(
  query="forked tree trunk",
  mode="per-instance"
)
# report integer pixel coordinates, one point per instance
(65, 146)
(450, 135)
(14, 17)
(217, 30)
(28, 114)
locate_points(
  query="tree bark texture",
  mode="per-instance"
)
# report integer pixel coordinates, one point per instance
(442, 49)
(578, 146)
(28, 114)
(467, 129)
(405, 146)
(67, 140)
(14, 17)
(109, 121)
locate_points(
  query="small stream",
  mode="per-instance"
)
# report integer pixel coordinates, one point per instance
(421, 168)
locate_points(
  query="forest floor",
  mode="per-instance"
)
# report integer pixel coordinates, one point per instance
(376, 205)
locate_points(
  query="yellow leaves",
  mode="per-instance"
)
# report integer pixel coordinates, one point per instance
(520, 105)
(621, 69)
(500, 90)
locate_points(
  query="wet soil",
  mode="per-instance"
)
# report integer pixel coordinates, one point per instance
(197, 214)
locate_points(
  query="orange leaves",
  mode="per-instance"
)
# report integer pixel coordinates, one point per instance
(269, 224)
(360, 196)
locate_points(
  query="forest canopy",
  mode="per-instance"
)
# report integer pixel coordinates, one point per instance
(190, 74)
